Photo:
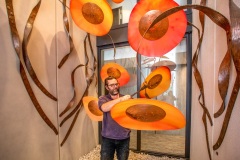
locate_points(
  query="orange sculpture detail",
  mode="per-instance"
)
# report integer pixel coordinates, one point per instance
(163, 36)
(157, 82)
(94, 17)
(91, 107)
(115, 70)
(147, 114)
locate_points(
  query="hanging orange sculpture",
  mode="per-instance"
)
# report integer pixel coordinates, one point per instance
(91, 107)
(163, 36)
(147, 114)
(94, 17)
(115, 70)
(156, 83)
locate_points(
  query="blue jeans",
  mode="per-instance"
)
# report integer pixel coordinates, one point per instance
(109, 146)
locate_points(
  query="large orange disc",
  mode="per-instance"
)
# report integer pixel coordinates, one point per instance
(163, 36)
(115, 70)
(91, 107)
(147, 114)
(93, 16)
(158, 82)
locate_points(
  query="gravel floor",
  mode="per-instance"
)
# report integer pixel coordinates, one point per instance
(94, 155)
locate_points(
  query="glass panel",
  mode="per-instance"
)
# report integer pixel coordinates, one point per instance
(173, 141)
(124, 9)
(126, 57)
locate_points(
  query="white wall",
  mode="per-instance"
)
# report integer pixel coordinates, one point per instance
(212, 52)
(24, 135)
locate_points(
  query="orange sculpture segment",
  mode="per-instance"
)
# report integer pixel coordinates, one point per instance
(157, 82)
(147, 114)
(91, 107)
(163, 36)
(115, 70)
(94, 17)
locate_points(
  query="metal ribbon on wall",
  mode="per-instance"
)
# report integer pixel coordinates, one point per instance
(89, 80)
(16, 44)
(66, 26)
(27, 33)
(235, 54)
(89, 77)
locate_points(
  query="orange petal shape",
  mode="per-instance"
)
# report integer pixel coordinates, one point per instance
(117, 1)
(92, 16)
(115, 70)
(159, 81)
(91, 107)
(147, 114)
(165, 35)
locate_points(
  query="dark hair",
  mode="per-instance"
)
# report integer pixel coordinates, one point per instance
(107, 79)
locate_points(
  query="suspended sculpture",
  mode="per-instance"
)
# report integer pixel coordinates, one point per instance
(147, 114)
(161, 38)
(115, 70)
(156, 83)
(90, 104)
(94, 17)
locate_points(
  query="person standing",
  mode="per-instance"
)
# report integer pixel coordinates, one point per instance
(114, 137)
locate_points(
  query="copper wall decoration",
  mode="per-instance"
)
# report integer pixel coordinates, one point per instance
(89, 79)
(17, 43)
(234, 50)
(66, 26)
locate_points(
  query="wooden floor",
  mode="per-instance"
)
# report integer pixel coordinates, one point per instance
(157, 142)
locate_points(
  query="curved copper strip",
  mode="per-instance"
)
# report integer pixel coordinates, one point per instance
(70, 104)
(223, 81)
(73, 111)
(80, 103)
(70, 114)
(235, 52)
(85, 50)
(16, 44)
(198, 76)
(228, 113)
(89, 79)
(70, 128)
(66, 25)
(94, 62)
(199, 81)
(27, 33)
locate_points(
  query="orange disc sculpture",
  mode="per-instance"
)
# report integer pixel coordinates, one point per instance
(147, 114)
(163, 36)
(156, 83)
(115, 70)
(93, 16)
(91, 107)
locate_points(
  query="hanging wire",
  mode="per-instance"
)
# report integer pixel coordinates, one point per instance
(114, 48)
(64, 4)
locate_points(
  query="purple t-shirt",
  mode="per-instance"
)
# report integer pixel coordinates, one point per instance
(110, 128)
